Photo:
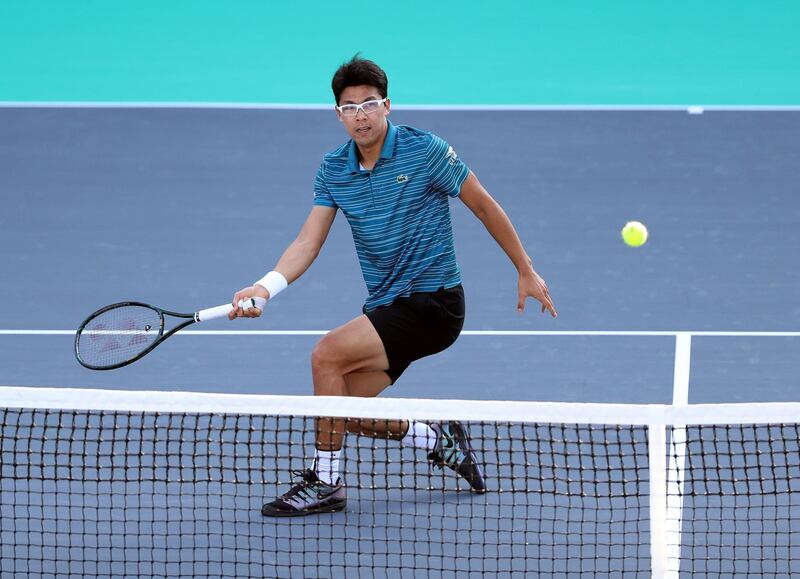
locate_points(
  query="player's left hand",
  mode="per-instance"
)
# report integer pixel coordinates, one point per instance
(531, 285)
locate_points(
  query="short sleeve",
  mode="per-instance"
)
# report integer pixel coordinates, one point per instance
(447, 172)
(321, 194)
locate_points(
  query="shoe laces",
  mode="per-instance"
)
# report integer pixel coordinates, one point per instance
(308, 480)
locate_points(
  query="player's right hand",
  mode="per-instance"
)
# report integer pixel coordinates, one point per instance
(254, 291)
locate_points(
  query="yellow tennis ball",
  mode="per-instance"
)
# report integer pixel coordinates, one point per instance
(634, 233)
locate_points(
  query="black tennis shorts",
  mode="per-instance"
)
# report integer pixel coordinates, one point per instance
(419, 325)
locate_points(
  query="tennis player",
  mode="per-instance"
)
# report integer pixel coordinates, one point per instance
(393, 183)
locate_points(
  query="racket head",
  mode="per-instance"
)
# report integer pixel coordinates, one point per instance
(118, 334)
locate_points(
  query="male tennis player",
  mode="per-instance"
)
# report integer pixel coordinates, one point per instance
(393, 184)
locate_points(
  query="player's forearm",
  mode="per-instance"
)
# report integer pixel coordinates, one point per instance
(501, 229)
(297, 258)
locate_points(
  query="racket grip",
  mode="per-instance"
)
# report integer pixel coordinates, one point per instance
(223, 310)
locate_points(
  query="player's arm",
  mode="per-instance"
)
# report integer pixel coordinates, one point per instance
(499, 226)
(296, 259)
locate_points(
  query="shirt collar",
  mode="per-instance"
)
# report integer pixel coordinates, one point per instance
(387, 151)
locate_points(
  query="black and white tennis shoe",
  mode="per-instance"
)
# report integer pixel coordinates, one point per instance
(454, 450)
(308, 496)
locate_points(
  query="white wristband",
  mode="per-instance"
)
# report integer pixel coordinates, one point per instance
(274, 283)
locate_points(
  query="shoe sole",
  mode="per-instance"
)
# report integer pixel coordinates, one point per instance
(303, 513)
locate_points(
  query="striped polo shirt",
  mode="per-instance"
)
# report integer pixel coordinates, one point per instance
(398, 212)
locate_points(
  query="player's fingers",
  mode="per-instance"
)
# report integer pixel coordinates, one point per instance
(246, 304)
(521, 302)
(237, 311)
(251, 312)
(547, 301)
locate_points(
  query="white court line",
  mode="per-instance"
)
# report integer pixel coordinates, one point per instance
(656, 443)
(675, 474)
(410, 107)
(11, 332)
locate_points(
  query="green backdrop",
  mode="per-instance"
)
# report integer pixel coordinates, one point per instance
(623, 52)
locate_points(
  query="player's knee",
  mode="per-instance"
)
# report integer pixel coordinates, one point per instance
(324, 357)
(326, 368)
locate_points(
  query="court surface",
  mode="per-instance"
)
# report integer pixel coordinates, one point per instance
(181, 207)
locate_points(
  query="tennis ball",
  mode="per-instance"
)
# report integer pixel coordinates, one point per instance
(634, 233)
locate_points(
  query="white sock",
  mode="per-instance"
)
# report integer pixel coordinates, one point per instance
(326, 465)
(420, 435)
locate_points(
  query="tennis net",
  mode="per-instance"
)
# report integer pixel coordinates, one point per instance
(161, 484)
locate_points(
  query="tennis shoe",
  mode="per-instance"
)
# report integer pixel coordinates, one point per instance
(308, 496)
(453, 450)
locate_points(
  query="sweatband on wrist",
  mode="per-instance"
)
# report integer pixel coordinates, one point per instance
(274, 283)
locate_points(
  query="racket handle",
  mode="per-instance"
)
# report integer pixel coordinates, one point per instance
(224, 310)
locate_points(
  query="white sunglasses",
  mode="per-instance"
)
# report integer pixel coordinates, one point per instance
(368, 107)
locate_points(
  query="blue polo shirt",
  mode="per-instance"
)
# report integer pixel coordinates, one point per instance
(399, 211)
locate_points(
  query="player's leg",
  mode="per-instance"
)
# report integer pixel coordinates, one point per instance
(353, 348)
(348, 361)
(369, 385)
(353, 361)
(410, 329)
(447, 443)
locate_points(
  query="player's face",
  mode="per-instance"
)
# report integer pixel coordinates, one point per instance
(366, 127)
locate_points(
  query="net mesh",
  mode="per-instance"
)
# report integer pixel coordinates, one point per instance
(179, 492)
(740, 501)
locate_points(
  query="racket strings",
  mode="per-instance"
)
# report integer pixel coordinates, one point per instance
(118, 335)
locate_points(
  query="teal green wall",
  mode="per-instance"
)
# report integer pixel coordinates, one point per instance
(446, 52)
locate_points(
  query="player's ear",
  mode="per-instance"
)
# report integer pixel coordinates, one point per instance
(338, 114)
(387, 106)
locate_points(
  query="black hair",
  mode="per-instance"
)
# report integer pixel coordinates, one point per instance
(358, 71)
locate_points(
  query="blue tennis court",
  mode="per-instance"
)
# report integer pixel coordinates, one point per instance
(179, 207)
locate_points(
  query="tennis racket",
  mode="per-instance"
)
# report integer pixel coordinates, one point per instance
(119, 334)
